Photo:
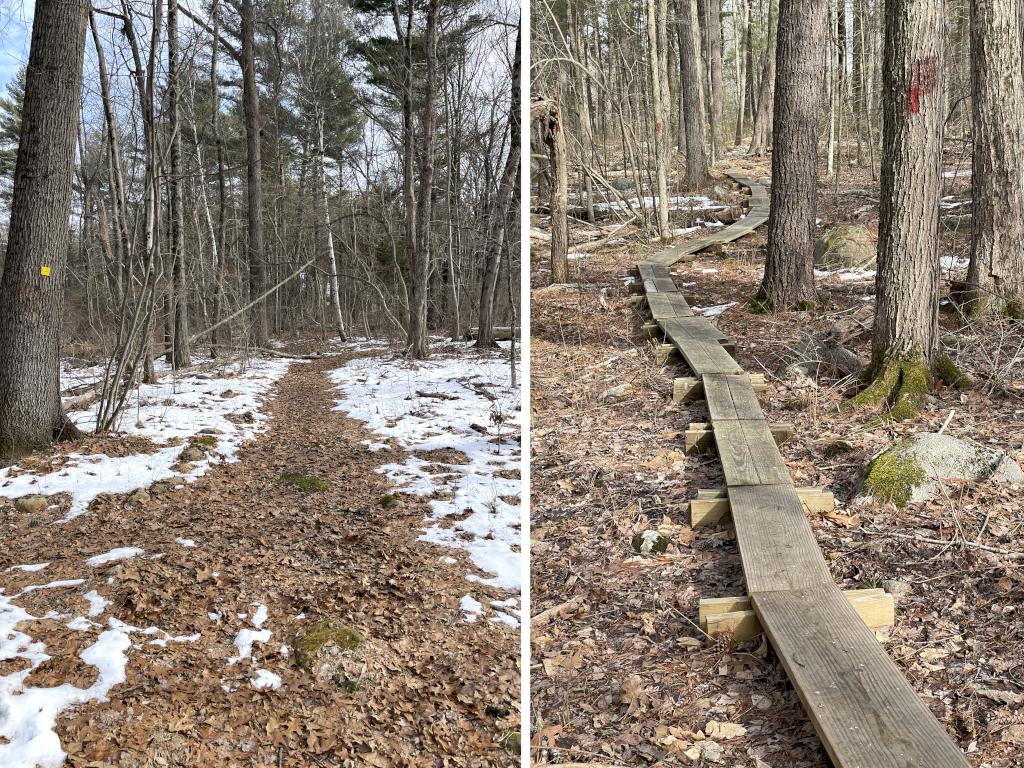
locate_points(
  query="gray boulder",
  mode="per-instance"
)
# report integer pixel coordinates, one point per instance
(912, 469)
(846, 247)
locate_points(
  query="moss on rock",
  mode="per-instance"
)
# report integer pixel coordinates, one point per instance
(894, 475)
(311, 643)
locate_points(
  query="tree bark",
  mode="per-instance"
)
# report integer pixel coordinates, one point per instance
(258, 320)
(760, 141)
(905, 342)
(180, 354)
(691, 78)
(506, 203)
(996, 273)
(789, 263)
(717, 80)
(332, 260)
(548, 114)
(32, 286)
(654, 35)
(418, 348)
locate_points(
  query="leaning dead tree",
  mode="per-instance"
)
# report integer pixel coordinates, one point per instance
(547, 113)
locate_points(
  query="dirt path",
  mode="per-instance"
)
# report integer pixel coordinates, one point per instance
(423, 689)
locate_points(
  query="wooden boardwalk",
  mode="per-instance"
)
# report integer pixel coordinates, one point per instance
(864, 710)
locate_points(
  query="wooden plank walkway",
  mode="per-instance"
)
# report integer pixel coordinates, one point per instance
(862, 707)
(757, 214)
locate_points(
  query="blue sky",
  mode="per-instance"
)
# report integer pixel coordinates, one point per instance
(15, 31)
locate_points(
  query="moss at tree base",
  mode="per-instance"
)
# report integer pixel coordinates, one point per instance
(893, 476)
(901, 385)
(948, 371)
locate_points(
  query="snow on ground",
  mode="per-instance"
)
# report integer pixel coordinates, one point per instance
(675, 202)
(28, 714)
(174, 409)
(445, 403)
(713, 311)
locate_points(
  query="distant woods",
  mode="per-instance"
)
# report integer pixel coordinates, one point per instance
(242, 169)
(635, 102)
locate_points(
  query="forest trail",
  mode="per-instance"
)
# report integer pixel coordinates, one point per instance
(249, 557)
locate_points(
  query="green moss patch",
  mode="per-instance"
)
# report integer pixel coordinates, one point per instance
(310, 643)
(948, 371)
(387, 501)
(307, 483)
(208, 440)
(893, 476)
(901, 384)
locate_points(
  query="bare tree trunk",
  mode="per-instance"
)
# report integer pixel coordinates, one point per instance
(691, 78)
(905, 343)
(654, 34)
(506, 203)
(789, 263)
(549, 115)
(742, 42)
(180, 357)
(996, 272)
(760, 141)
(332, 261)
(714, 35)
(222, 332)
(418, 348)
(258, 319)
(32, 286)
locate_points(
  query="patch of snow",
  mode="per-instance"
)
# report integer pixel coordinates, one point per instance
(457, 402)
(28, 568)
(471, 608)
(187, 543)
(175, 407)
(259, 617)
(951, 262)
(503, 618)
(264, 678)
(54, 585)
(80, 624)
(960, 172)
(121, 553)
(244, 641)
(374, 447)
(675, 202)
(28, 714)
(709, 271)
(713, 311)
(97, 602)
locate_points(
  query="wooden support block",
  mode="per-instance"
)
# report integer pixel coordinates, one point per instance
(652, 330)
(688, 388)
(639, 301)
(700, 436)
(712, 505)
(875, 607)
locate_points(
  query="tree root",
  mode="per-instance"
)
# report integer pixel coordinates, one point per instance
(900, 386)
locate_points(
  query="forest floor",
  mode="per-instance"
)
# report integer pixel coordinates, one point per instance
(621, 674)
(181, 624)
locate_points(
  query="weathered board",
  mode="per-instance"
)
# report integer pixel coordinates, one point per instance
(749, 454)
(862, 707)
(665, 306)
(700, 344)
(777, 547)
(731, 397)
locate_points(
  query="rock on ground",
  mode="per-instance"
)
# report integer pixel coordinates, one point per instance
(845, 247)
(910, 471)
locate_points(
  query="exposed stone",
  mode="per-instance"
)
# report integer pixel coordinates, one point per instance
(192, 453)
(912, 469)
(816, 357)
(897, 588)
(31, 505)
(649, 542)
(615, 394)
(845, 247)
(140, 497)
